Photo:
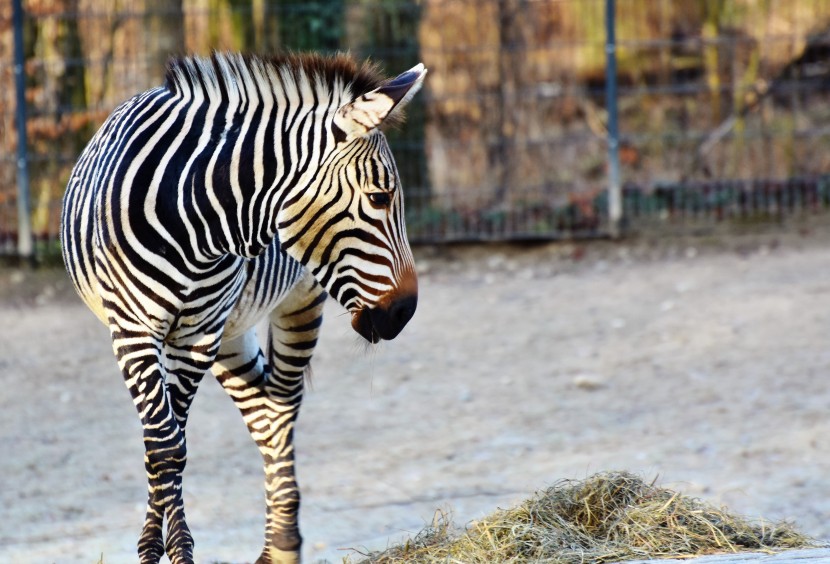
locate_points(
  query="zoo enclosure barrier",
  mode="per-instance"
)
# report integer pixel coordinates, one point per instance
(724, 105)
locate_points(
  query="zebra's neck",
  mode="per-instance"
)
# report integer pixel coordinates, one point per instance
(266, 126)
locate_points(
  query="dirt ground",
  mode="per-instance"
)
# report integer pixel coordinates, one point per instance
(702, 362)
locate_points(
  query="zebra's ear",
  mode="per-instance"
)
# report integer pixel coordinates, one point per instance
(366, 112)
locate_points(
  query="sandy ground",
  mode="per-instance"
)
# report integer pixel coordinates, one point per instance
(702, 362)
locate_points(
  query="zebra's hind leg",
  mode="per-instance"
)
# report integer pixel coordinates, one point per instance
(165, 450)
(185, 370)
(269, 397)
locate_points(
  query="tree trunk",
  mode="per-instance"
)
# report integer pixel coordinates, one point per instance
(164, 35)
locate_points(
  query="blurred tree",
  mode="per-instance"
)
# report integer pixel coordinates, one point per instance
(125, 48)
(54, 40)
(310, 26)
(164, 35)
(57, 88)
(263, 25)
(386, 31)
(710, 32)
(8, 167)
(504, 157)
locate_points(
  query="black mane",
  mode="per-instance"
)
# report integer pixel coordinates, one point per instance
(209, 74)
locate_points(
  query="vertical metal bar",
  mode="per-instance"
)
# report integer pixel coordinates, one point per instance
(614, 188)
(25, 247)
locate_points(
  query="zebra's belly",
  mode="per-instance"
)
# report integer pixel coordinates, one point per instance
(248, 312)
(250, 309)
(252, 306)
(269, 278)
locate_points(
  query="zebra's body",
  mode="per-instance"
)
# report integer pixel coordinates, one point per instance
(243, 188)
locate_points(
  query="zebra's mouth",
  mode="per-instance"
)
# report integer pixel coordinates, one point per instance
(384, 321)
(362, 323)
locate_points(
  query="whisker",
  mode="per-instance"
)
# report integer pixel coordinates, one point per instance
(359, 345)
(372, 351)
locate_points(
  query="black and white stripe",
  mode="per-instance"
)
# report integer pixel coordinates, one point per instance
(244, 188)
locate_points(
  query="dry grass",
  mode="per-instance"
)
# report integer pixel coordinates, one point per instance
(607, 517)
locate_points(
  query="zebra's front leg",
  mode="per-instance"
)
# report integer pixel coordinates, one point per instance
(269, 397)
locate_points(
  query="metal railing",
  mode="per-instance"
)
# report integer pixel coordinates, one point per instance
(724, 106)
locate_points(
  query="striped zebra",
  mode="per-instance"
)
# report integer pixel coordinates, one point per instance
(244, 187)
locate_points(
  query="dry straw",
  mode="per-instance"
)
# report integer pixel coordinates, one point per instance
(605, 518)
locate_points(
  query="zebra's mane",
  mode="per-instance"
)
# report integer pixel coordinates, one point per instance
(226, 75)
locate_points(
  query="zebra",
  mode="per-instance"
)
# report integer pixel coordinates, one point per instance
(243, 188)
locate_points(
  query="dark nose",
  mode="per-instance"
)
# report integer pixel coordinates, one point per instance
(387, 322)
(402, 310)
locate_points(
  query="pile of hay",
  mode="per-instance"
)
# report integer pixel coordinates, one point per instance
(608, 517)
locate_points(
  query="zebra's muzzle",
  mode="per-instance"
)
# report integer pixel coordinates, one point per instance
(385, 321)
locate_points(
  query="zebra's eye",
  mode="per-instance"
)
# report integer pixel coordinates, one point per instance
(380, 199)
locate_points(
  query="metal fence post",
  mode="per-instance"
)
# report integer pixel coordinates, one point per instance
(25, 248)
(614, 188)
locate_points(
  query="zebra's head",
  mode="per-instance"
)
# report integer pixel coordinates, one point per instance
(347, 227)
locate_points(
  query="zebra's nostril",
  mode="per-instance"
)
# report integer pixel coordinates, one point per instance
(401, 311)
(386, 323)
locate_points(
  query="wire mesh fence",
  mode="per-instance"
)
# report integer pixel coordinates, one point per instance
(724, 104)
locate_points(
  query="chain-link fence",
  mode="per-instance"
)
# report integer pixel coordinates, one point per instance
(724, 105)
